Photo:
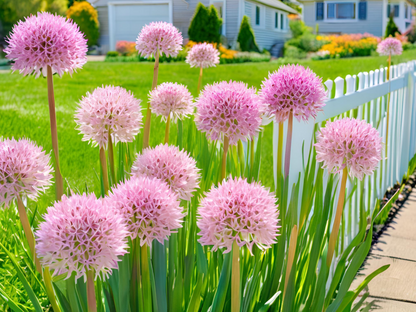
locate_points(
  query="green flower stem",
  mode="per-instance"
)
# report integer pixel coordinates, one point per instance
(200, 80)
(92, 302)
(235, 279)
(59, 183)
(288, 144)
(167, 130)
(146, 130)
(103, 161)
(111, 157)
(291, 253)
(335, 228)
(224, 158)
(279, 152)
(49, 289)
(135, 292)
(145, 279)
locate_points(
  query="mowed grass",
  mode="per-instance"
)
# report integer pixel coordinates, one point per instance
(24, 105)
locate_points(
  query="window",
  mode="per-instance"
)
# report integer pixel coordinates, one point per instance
(282, 21)
(395, 10)
(257, 15)
(406, 11)
(341, 11)
(276, 20)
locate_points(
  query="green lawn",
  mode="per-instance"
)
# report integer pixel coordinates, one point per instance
(24, 108)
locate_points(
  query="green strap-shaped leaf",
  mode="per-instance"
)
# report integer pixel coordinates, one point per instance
(269, 303)
(221, 293)
(13, 305)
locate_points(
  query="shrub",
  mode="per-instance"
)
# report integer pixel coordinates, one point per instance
(86, 17)
(293, 52)
(205, 25)
(391, 28)
(126, 47)
(246, 37)
(112, 54)
(298, 28)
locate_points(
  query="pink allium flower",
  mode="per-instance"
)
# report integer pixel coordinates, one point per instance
(149, 207)
(349, 143)
(390, 46)
(46, 40)
(171, 99)
(24, 170)
(229, 109)
(171, 165)
(109, 108)
(238, 211)
(81, 233)
(203, 55)
(160, 36)
(293, 89)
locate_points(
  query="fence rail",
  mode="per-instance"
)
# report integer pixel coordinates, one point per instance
(364, 96)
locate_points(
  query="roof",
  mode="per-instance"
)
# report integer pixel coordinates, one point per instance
(278, 5)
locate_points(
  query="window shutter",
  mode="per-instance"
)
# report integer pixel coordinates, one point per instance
(396, 10)
(319, 11)
(362, 10)
(388, 10)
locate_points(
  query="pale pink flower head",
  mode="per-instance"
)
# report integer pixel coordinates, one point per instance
(159, 36)
(149, 207)
(203, 55)
(171, 99)
(350, 143)
(25, 170)
(229, 109)
(169, 164)
(44, 40)
(109, 109)
(390, 46)
(81, 233)
(293, 89)
(238, 211)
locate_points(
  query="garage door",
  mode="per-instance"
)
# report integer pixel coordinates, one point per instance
(127, 20)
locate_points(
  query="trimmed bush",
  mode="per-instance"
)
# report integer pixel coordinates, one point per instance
(293, 52)
(205, 25)
(86, 16)
(246, 37)
(391, 28)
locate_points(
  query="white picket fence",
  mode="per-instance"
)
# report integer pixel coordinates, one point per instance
(366, 95)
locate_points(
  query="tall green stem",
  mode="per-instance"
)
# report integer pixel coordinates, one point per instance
(224, 158)
(92, 302)
(279, 152)
(146, 130)
(291, 254)
(47, 278)
(167, 130)
(145, 278)
(59, 183)
(335, 228)
(111, 157)
(135, 292)
(288, 144)
(103, 161)
(235, 279)
(200, 80)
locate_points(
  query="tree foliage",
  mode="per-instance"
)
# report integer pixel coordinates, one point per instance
(205, 25)
(391, 28)
(246, 37)
(86, 16)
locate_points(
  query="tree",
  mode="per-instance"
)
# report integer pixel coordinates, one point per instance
(86, 16)
(205, 25)
(246, 37)
(391, 28)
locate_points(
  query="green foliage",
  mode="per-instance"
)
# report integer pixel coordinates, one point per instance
(246, 37)
(391, 28)
(298, 28)
(112, 53)
(71, 2)
(302, 39)
(293, 52)
(205, 25)
(55, 6)
(243, 57)
(86, 16)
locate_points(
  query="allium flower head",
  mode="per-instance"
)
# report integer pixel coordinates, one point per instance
(81, 233)
(171, 99)
(203, 55)
(238, 211)
(229, 109)
(149, 207)
(349, 143)
(293, 89)
(24, 170)
(390, 46)
(171, 165)
(160, 36)
(46, 40)
(107, 109)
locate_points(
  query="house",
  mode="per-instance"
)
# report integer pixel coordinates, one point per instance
(123, 19)
(356, 16)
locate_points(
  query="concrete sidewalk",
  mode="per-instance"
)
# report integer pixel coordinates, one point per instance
(395, 289)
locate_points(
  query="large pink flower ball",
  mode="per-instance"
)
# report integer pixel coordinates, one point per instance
(390, 46)
(171, 99)
(229, 109)
(25, 170)
(238, 211)
(149, 207)
(109, 110)
(159, 36)
(44, 40)
(81, 234)
(203, 55)
(293, 89)
(350, 143)
(169, 164)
